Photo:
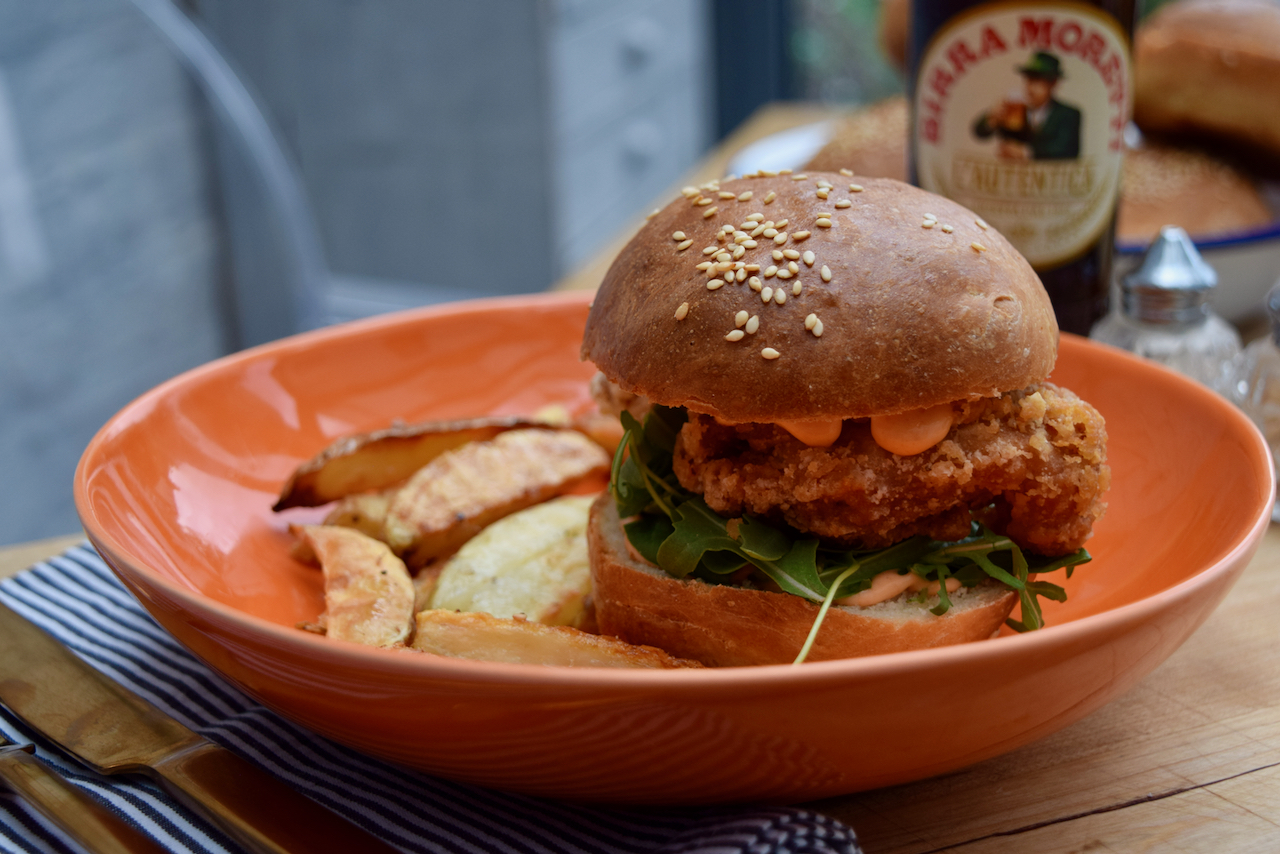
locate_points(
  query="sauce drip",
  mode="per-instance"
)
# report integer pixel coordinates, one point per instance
(914, 432)
(815, 434)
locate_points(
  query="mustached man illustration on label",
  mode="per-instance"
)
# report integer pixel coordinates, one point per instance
(1033, 124)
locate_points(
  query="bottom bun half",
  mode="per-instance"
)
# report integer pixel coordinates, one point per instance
(726, 626)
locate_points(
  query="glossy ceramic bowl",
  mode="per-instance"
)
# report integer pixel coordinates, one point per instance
(176, 493)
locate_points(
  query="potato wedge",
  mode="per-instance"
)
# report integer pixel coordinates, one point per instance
(364, 511)
(481, 637)
(369, 461)
(368, 594)
(454, 497)
(533, 563)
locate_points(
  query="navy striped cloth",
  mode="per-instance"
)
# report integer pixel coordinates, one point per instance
(76, 598)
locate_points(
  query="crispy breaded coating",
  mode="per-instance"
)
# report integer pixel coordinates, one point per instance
(1038, 454)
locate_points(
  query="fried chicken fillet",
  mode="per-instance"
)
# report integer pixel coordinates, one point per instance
(1030, 463)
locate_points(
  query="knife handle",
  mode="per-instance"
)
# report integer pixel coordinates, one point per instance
(256, 809)
(82, 818)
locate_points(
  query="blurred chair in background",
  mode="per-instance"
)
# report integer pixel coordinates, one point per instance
(124, 259)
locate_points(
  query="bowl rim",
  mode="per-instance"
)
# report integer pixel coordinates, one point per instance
(814, 673)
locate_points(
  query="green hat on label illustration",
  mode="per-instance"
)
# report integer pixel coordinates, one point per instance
(1044, 65)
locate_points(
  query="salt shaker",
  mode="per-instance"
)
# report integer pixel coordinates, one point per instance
(1258, 381)
(1164, 314)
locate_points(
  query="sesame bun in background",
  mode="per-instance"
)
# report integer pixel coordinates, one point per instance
(793, 324)
(920, 303)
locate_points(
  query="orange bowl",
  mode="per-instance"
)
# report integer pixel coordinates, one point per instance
(176, 492)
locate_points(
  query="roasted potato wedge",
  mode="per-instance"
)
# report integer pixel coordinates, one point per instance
(481, 637)
(455, 496)
(368, 595)
(383, 458)
(532, 563)
(364, 511)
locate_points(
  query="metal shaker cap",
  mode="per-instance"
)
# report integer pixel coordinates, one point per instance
(1173, 283)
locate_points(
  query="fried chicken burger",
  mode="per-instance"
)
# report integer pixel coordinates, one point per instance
(834, 396)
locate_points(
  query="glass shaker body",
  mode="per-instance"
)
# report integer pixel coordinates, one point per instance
(1205, 350)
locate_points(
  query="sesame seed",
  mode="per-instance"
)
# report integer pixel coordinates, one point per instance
(792, 254)
(824, 184)
(726, 195)
(704, 265)
(848, 173)
(982, 225)
(755, 217)
(780, 296)
(817, 329)
(780, 238)
(739, 251)
(810, 321)
(769, 198)
(844, 203)
(826, 273)
(735, 335)
(683, 245)
(745, 197)
(797, 289)
(709, 213)
(948, 229)
(702, 201)
(770, 271)
(822, 194)
(750, 244)
(793, 267)
(781, 224)
(715, 284)
(679, 235)
(809, 258)
(724, 256)
(767, 234)
(770, 353)
(786, 172)
(721, 237)
(855, 188)
(726, 264)
(768, 173)
(741, 237)
(727, 229)
(754, 283)
(823, 222)
(930, 216)
(757, 231)
(712, 272)
(653, 213)
(827, 214)
(777, 255)
(766, 294)
(803, 235)
(978, 247)
(928, 223)
(682, 311)
(799, 177)
(784, 273)
(753, 324)
(711, 250)
(689, 192)
(752, 268)
(741, 275)
(740, 319)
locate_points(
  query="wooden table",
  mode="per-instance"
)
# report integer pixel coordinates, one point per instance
(1188, 761)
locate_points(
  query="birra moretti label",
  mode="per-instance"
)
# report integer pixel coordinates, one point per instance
(1019, 115)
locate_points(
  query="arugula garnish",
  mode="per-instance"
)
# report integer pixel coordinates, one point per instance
(676, 530)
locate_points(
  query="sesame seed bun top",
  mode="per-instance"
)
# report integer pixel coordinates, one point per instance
(908, 300)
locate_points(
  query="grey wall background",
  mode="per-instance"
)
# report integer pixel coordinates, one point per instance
(466, 149)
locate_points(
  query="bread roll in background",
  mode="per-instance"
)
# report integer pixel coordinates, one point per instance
(1211, 67)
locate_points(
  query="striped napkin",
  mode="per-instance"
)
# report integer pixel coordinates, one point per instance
(77, 599)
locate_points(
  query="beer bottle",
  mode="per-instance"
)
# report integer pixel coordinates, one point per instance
(1018, 112)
